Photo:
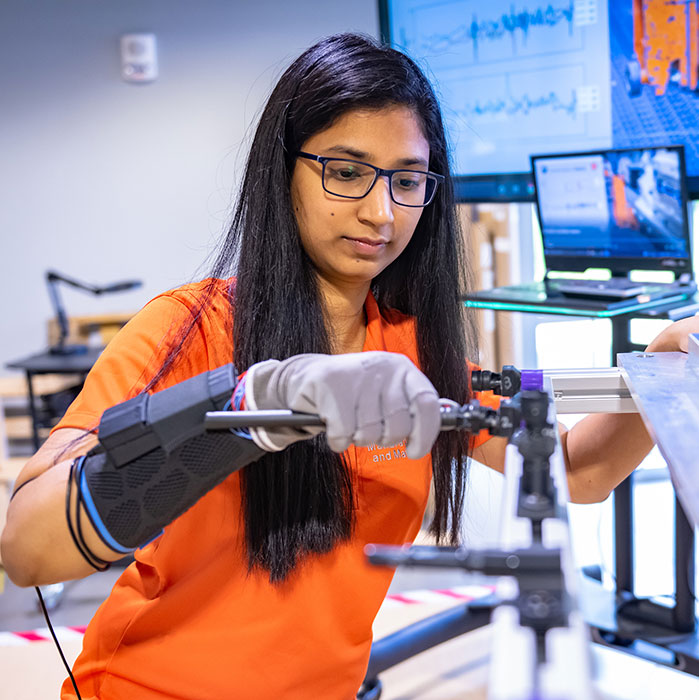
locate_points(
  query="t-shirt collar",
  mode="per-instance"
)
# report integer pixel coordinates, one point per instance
(374, 339)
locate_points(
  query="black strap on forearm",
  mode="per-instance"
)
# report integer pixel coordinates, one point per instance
(155, 459)
(73, 508)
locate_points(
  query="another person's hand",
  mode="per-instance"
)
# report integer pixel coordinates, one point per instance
(363, 399)
(675, 337)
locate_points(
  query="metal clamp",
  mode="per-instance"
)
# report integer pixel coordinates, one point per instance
(590, 391)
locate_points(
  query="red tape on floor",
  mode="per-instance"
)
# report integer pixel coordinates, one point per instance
(462, 593)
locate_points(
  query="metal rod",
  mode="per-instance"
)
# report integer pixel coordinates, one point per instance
(33, 411)
(684, 619)
(220, 420)
(425, 634)
(223, 420)
(623, 535)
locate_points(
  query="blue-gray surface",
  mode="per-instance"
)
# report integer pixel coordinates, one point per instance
(665, 387)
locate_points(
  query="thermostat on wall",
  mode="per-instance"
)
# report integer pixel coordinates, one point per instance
(139, 58)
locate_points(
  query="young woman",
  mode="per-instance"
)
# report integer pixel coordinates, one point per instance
(340, 276)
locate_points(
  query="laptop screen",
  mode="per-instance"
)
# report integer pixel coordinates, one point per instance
(617, 209)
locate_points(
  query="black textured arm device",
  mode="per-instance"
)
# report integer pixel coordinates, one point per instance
(155, 459)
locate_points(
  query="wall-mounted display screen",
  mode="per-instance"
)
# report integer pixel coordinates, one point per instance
(525, 77)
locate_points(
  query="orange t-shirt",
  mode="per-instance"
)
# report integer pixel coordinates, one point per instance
(186, 619)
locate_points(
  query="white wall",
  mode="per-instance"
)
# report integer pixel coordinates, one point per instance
(105, 180)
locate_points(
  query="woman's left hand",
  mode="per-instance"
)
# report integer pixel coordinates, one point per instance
(675, 337)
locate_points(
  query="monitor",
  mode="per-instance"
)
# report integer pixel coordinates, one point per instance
(517, 78)
(621, 209)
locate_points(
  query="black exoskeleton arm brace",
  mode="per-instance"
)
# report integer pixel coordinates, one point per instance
(155, 459)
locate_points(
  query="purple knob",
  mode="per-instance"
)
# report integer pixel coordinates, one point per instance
(532, 379)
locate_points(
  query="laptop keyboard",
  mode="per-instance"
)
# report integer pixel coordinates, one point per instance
(611, 283)
(614, 287)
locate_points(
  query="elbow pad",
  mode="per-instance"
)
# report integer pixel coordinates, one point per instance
(155, 459)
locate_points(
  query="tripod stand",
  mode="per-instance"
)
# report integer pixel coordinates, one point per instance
(542, 602)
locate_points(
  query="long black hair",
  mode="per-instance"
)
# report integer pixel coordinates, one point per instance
(300, 501)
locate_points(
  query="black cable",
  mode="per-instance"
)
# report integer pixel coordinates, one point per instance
(103, 565)
(69, 490)
(55, 639)
(78, 540)
(22, 485)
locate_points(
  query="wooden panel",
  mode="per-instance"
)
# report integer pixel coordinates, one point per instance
(487, 242)
(20, 428)
(16, 386)
(9, 470)
(81, 328)
(494, 219)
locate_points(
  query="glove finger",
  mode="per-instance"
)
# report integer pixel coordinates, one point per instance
(424, 410)
(370, 406)
(396, 426)
(368, 433)
(323, 386)
(338, 414)
(338, 443)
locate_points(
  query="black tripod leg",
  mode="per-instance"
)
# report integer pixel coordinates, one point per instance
(423, 635)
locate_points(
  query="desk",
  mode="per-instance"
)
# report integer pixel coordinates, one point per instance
(46, 363)
(619, 313)
(632, 619)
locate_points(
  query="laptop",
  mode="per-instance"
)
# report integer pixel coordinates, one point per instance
(620, 209)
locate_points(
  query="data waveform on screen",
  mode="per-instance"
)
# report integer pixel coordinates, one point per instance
(521, 105)
(510, 24)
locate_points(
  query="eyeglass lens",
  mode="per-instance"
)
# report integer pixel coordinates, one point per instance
(408, 187)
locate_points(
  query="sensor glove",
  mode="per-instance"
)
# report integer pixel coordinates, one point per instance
(362, 398)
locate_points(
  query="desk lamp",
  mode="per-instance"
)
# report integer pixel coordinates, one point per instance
(52, 280)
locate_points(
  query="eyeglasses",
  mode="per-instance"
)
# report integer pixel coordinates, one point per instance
(354, 179)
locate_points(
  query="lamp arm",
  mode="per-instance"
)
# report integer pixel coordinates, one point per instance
(52, 280)
(123, 286)
(53, 276)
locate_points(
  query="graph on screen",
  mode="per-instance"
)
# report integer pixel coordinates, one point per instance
(481, 35)
(513, 78)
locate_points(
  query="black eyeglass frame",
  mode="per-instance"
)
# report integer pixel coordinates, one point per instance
(378, 172)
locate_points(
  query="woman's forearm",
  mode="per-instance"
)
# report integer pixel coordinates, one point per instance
(37, 547)
(601, 451)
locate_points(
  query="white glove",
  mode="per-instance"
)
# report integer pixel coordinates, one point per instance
(363, 398)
